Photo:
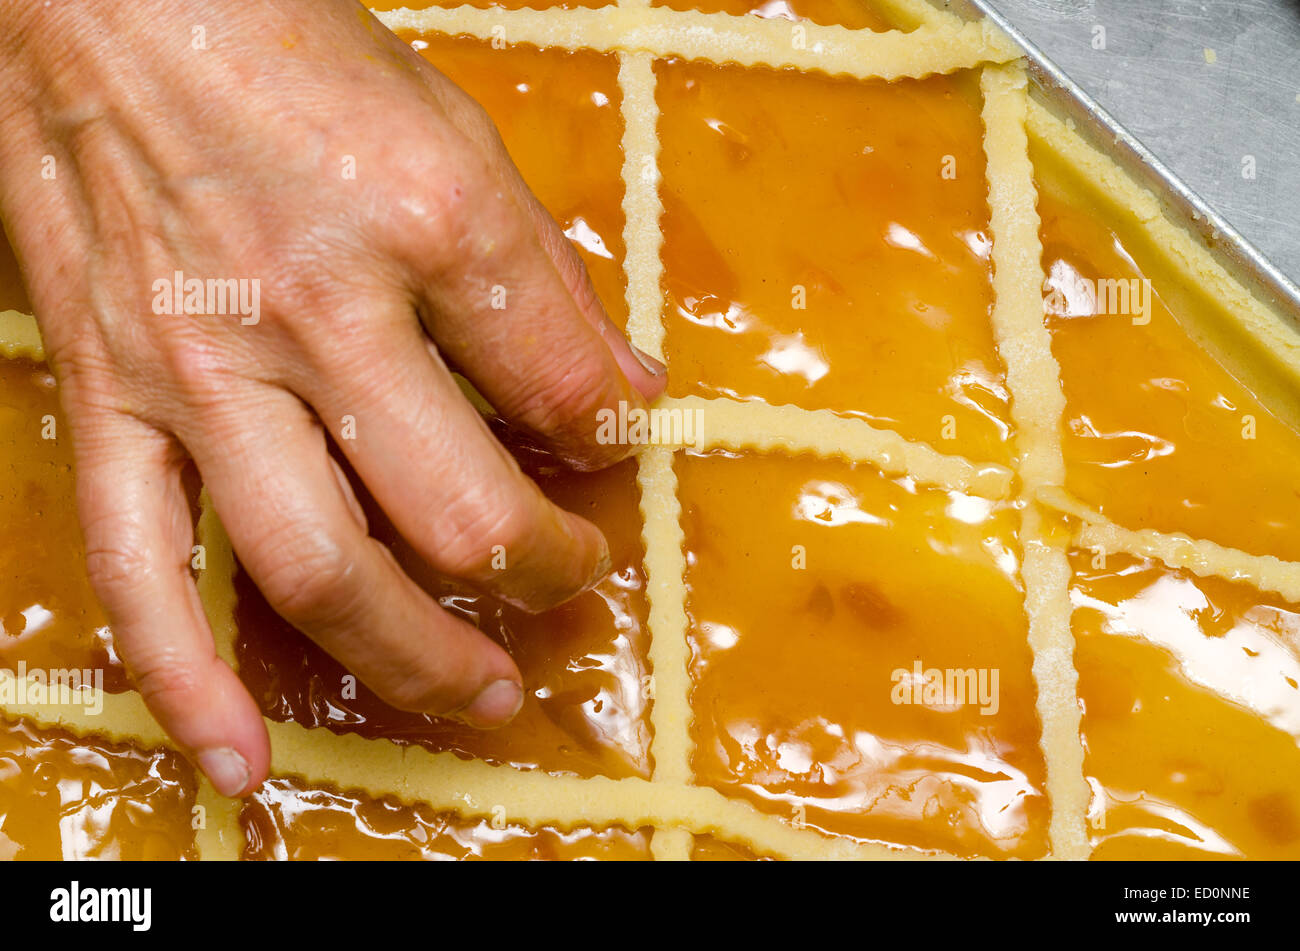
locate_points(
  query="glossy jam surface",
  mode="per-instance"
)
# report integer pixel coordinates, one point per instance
(1191, 696)
(826, 244)
(49, 615)
(795, 669)
(558, 114)
(850, 13)
(285, 820)
(1157, 433)
(66, 798)
(583, 663)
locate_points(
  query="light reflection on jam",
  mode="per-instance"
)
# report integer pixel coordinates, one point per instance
(286, 820)
(67, 798)
(49, 617)
(1191, 712)
(583, 662)
(793, 667)
(826, 245)
(1154, 425)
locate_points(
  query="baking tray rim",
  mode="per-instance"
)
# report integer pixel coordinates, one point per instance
(1180, 204)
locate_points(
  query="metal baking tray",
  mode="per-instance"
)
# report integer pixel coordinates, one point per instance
(1180, 204)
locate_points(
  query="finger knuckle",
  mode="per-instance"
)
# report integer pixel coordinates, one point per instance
(438, 219)
(481, 528)
(562, 401)
(457, 213)
(115, 570)
(424, 692)
(194, 360)
(307, 575)
(164, 680)
(199, 371)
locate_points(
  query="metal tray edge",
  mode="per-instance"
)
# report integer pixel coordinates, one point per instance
(1180, 204)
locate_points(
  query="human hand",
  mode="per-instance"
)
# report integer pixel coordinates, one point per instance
(373, 223)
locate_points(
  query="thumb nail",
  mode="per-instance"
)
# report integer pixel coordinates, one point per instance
(226, 769)
(495, 705)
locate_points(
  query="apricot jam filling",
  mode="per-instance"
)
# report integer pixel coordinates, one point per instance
(826, 244)
(816, 593)
(583, 663)
(286, 820)
(558, 114)
(49, 615)
(1190, 689)
(63, 797)
(1157, 433)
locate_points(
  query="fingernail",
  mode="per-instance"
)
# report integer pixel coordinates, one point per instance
(495, 705)
(227, 770)
(648, 363)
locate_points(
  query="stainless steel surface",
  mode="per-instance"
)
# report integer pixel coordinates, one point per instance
(1201, 118)
(1167, 100)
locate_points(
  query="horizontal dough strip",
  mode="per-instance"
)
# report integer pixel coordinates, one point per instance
(937, 46)
(1197, 555)
(759, 426)
(475, 789)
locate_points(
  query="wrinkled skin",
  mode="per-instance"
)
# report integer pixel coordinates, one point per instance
(307, 148)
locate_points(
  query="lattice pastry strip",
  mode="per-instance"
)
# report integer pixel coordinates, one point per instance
(1037, 407)
(1201, 557)
(660, 515)
(940, 46)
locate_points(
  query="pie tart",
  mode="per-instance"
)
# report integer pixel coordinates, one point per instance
(985, 546)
